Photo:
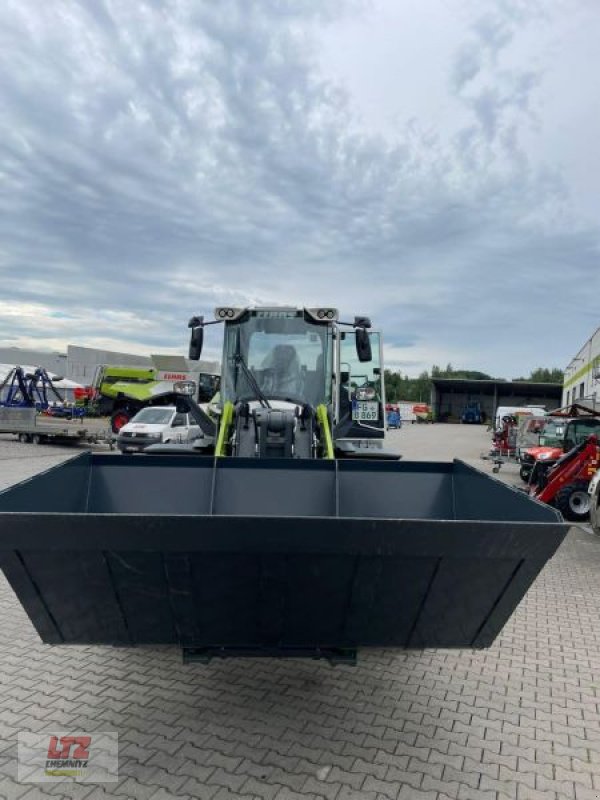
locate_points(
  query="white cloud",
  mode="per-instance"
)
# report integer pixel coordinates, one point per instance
(160, 158)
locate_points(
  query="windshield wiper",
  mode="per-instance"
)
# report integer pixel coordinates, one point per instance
(258, 392)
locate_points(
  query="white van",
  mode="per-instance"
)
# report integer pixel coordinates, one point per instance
(157, 425)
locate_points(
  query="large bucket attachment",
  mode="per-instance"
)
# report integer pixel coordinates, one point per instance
(252, 557)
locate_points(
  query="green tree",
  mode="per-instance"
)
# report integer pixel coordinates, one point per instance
(545, 375)
(401, 387)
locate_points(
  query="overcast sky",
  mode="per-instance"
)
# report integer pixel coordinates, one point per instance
(432, 163)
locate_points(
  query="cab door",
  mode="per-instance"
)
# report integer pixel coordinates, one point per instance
(361, 396)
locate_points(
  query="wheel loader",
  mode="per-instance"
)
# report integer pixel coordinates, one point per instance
(296, 384)
(286, 530)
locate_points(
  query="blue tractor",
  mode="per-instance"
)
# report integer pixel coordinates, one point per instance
(472, 414)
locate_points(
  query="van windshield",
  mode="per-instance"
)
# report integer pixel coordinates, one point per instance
(154, 416)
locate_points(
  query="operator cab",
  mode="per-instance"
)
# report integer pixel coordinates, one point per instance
(288, 353)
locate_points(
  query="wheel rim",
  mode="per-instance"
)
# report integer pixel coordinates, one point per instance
(119, 420)
(579, 503)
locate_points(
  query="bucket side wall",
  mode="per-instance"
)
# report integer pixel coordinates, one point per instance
(61, 489)
(480, 497)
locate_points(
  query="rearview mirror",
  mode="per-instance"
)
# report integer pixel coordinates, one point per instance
(197, 338)
(363, 345)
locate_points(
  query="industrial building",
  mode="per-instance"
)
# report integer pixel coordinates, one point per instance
(582, 374)
(82, 362)
(449, 396)
(77, 364)
(19, 357)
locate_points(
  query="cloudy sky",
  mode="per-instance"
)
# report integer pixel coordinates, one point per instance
(432, 163)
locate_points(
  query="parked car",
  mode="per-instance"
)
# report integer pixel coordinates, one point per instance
(154, 425)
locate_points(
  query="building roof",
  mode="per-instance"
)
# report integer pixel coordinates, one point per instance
(517, 387)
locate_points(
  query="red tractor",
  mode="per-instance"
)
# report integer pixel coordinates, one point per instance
(565, 485)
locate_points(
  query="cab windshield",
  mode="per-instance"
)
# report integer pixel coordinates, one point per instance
(288, 356)
(579, 430)
(555, 428)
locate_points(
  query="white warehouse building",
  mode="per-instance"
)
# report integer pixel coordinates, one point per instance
(582, 375)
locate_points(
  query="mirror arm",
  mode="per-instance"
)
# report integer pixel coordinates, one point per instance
(198, 322)
(359, 322)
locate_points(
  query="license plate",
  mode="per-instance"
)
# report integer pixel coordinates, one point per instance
(365, 411)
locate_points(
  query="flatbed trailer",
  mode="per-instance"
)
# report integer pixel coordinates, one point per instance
(30, 425)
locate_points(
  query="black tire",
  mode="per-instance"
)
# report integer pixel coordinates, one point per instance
(525, 473)
(24, 438)
(539, 473)
(574, 502)
(37, 439)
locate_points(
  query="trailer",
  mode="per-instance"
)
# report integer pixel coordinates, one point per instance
(30, 425)
(413, 412)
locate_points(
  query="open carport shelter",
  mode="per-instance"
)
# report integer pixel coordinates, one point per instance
(449, 396)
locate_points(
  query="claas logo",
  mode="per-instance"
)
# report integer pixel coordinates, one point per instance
(68, 755)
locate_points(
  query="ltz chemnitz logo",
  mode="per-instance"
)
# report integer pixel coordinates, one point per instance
(68, 756)
(53, 756)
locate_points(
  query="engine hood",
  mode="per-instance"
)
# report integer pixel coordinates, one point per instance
(552, 452)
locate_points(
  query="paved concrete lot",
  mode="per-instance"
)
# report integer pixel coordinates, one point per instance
(520, 720)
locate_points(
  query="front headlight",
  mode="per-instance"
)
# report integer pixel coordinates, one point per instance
(544, 456)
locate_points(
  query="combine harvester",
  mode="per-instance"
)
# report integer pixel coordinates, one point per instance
(120, 392)
(286, 530)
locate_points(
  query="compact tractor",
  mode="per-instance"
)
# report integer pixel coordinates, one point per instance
(565, 484)
(472, 414)
(286, 530)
